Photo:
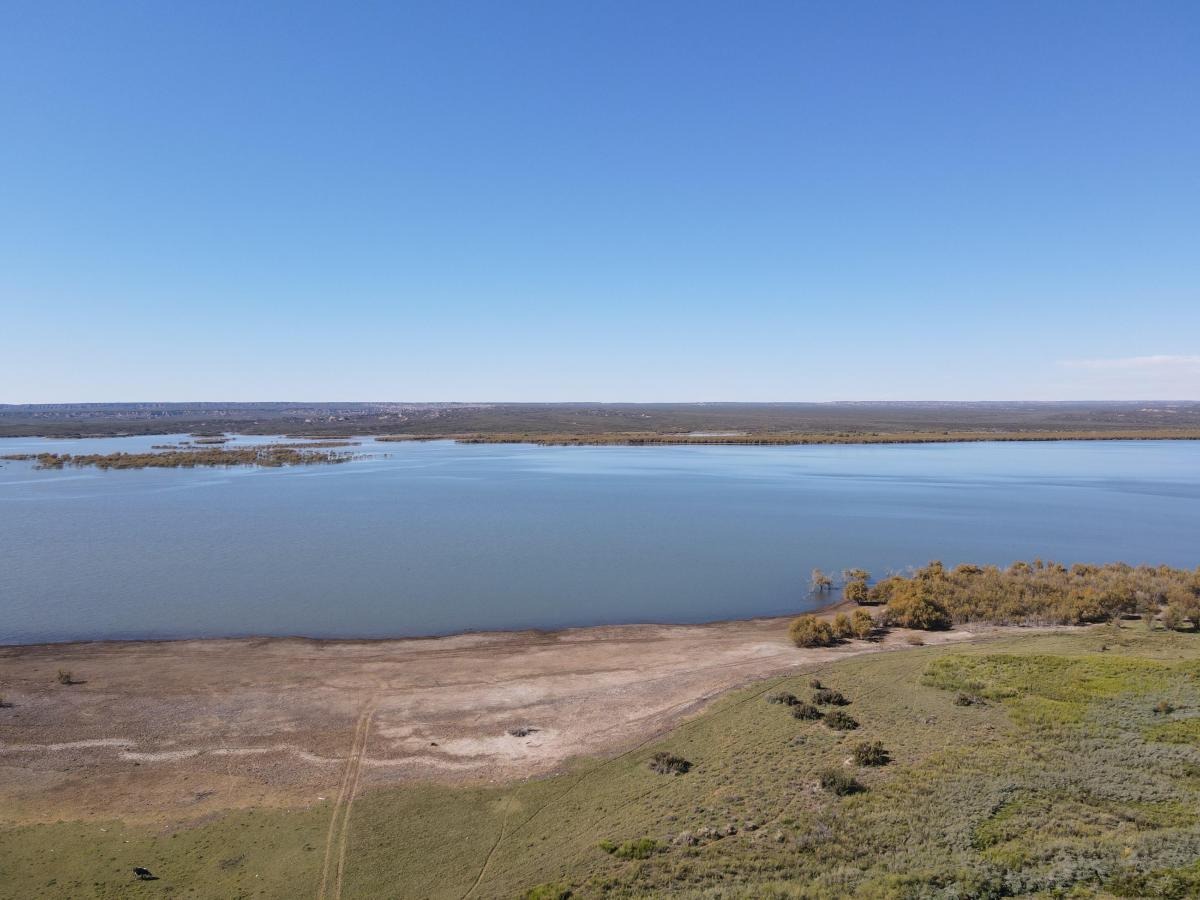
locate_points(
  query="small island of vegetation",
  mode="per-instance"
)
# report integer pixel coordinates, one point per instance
(267, 455)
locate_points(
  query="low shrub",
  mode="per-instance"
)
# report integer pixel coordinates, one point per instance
(862, 626)
(642, 848)
(1169, 884)
(856, 592)
(842, 629)
(1164, 708)
(968, 700)
(547, 892)
(839, 721)
(826, 697)
(815, 684)
(871, 753)
(838, 782)
(65, 676)
(782, 697)
(806, 711)
(668, 763)
(913, 609)
(809, 631)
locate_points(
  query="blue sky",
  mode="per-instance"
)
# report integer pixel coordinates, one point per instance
(599, 201)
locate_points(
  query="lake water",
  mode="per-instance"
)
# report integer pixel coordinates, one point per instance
(430, 538)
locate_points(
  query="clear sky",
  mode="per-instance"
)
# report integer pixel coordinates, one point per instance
(599, 200)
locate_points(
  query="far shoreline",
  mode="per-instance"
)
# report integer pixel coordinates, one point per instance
(670, 439)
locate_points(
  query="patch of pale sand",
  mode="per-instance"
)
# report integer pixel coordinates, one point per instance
(492, 748)
(419, 767)
(66, 745)
(161, 756)
(173, 755)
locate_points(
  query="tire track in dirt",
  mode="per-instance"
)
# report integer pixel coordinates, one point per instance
(487, 859)
(339, 819)
(344, 836)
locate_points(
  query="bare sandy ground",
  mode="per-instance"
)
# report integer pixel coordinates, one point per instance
(176, 730)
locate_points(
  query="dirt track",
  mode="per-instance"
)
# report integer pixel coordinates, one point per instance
(172, 731)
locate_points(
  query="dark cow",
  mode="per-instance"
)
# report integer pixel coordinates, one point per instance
(144, 874)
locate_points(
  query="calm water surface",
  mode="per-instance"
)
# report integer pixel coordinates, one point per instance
(435, 537)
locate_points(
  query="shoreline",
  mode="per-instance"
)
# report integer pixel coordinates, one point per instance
(165, 721)
(828, 609)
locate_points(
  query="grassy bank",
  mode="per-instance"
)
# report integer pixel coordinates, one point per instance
(1061, 764)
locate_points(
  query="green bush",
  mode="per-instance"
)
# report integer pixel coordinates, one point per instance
(862, 626)
(642, 848)
(871, 753)
(916, 610)
(1183, 609)
(856, 592)
(809, 631)
(842, 629)
(826, 697)
(668, 763)
(547, 892)
(839, 721)
(838, 782)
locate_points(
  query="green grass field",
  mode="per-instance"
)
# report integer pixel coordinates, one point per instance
(1063, 765)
